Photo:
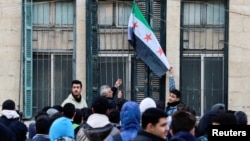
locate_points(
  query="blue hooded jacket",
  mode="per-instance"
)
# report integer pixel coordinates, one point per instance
(130, 121)
(61, 127)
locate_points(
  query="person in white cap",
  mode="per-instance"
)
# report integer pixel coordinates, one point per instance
(146, 103)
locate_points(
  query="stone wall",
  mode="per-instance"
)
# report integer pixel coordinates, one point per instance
(10, 44)
(239, 58)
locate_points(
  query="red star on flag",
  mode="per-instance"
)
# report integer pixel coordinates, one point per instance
(148, 37)
(160, 51)
(135, 24)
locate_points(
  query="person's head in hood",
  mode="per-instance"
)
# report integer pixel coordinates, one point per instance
(61, 127)
(218, 107)
(206, 119)
(241, 117)
(9, 109)
(130, 116)
(147, 103)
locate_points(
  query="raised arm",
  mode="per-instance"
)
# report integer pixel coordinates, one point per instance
(115, 87)
(171, 79)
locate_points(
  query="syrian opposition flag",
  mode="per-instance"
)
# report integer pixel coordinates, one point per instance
(145, 43)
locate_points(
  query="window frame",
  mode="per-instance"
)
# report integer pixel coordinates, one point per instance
(223, 51)
(126, 84)
(202, 78)
(203, 22)
(114, 13)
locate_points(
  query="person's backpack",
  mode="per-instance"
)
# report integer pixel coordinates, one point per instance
(117, 137)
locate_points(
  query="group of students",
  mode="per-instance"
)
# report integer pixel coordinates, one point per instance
(109, 119)
(144, 121)
(124, 120)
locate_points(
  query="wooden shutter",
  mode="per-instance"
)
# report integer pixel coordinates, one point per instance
(155, 85)
(28, 58)
(92, 50)
(140, 71)
(147, 84)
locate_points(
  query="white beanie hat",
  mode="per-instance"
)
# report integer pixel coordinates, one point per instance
(147, 103)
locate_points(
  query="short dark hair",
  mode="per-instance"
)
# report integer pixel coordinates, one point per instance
(40, 113)
(86, 111)
(43, 123)
(59, 108)
(8, 105)
(45, 108)
(76, 82)
(120, 103)
(241, 117)
(185, 107)
(152, 115)
(160, 104)
(176, 92)
(78, 116)
(225, 118)
(55, 116)
(69, 110)
(182, 121)
(100, 105)
(114, 116)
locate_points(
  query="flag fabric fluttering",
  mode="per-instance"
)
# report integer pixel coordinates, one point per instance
(145, 43)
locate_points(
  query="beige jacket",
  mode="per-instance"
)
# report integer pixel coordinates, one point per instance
(78, 105)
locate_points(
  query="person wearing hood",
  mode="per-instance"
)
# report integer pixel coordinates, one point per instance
(218, 107)
(206, 120)
(11, 119)
(130, 121)
(183, 126)
(75, 97)
(146, 103)
(62, 127)
(98, 127)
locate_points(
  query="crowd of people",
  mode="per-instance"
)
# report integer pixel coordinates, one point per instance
(116, 119)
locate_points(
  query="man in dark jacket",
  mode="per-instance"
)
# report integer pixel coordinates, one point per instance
(109, 93)
(10, 118)
(154, 126)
